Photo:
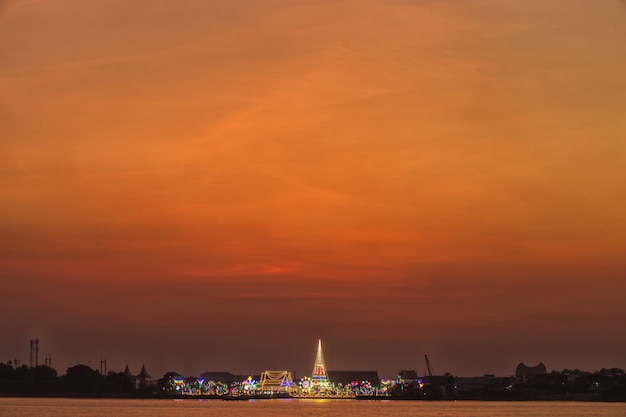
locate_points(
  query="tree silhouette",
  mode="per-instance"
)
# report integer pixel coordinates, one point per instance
(81, 378)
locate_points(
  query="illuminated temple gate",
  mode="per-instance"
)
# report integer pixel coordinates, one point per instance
(273, 382)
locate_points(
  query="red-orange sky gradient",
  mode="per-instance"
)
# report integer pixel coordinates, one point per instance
(214, 185)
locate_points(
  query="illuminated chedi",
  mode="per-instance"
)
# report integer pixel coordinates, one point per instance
(318, 384)
(319, 369)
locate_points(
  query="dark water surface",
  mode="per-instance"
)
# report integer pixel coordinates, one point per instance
(60, 407)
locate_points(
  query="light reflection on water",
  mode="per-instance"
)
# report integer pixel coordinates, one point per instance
(59, 407)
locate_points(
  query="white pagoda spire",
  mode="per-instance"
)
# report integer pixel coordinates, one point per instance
(319, 369)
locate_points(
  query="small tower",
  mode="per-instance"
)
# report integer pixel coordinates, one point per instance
(34, 352)
(319, 369)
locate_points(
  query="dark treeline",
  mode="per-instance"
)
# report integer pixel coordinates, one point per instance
(78, 380)
(604, 385)
(573, 385)
(82, 380)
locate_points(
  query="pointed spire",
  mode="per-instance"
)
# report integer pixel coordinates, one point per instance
(319, 369)
(127, 372)
(144, 374)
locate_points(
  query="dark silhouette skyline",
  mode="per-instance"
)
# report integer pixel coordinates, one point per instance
(529, 383)
(199, 185)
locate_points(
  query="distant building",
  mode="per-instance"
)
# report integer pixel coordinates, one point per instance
(141, 381)
(346, 378)
(526, 374)
(408, 376)
(474, 384)
(226, 377)
(128, 373)
(143, 374)
(276, 382)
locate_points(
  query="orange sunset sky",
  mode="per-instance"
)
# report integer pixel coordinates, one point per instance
(213, 185)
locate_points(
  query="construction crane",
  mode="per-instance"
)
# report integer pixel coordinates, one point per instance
(428, 368)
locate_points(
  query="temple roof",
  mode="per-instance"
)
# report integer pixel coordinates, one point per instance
(144, 374)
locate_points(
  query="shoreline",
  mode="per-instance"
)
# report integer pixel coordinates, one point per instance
(84, 396)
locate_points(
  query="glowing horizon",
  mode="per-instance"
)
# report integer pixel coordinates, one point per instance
(423, 174)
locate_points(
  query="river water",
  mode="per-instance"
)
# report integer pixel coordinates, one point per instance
(60, 407)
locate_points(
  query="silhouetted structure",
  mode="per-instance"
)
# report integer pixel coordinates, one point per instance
(526, 374)
(225, 377)
(346, 378)
(408, 376)
(34, 352)
(143, 374)
(141, 381)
